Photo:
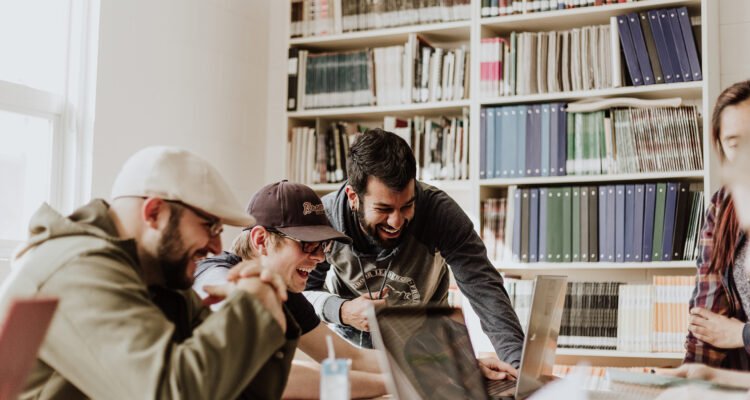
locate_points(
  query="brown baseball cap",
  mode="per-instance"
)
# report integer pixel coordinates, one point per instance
(294, 210)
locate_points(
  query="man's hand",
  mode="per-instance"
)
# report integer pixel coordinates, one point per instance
(495, 369)
(217, 293)
(716, 329)
(253, 268)
(263, 284)
(354, 312)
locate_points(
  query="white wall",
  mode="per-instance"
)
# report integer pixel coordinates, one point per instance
(189, 73)
(277, 75)
(734, 24)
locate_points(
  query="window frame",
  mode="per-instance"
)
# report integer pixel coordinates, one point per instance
(71, 114)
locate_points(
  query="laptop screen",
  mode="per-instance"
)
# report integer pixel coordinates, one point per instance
(430, 353)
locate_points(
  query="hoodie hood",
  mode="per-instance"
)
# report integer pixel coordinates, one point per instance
(90, 220)
(224, 260)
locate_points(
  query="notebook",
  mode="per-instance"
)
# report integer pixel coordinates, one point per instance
(426, 352)
(21, 335)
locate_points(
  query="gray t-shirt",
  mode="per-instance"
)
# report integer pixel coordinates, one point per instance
(741, 275)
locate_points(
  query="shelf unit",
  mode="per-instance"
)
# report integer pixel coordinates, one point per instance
(613, 358)
(471, 192)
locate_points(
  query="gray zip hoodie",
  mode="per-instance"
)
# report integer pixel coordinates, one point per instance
(416, 272)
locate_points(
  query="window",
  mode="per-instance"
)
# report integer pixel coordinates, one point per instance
(47, 81)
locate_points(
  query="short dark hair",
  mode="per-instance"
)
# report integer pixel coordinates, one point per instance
(383, 155)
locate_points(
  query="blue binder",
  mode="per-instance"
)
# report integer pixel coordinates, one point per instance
(533, 225)
(602, 214)
(490, 149)
(535, 132)
(511, 150)
(620, 223)
(508, 147)
(542, 250)
(661, 46)
(641, 52)
(611, 223)
(666, 27)
(553, 139)
(562, 134)
(628, 49)
(517, 225)
(545, 158)
(670, 211)
(499, 142)
(640, 195)
(629, 226)
(521, 112)
(679, 45)
(483, 143)
(690, 45)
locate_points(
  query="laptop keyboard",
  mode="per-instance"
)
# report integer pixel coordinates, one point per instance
(497, 388)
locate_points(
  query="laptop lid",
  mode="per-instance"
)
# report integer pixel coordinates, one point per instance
(540, 341)
(427, 353)
(21, 335)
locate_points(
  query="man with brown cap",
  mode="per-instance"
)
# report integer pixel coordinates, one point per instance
(127, 325)
(291, 235)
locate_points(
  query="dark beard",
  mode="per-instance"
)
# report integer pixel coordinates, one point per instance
(372, 231)
(173, 258)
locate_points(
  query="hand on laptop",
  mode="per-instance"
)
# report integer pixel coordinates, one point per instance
(706, 373)
(354, 311)
(495, 369)
(693, 371)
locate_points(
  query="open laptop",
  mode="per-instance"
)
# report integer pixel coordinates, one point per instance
(427, 354)
(21, 335)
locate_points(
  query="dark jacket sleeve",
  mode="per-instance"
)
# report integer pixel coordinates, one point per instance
(475, 275)
(327, 305)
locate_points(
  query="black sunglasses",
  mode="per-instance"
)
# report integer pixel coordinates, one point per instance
(307, 247)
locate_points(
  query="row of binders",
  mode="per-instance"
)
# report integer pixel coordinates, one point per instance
(609, 223)
(547, 140)
(493, 8)
(416, 72)
(657, 46)
(615, 316)
(440, 145)
(326, 17)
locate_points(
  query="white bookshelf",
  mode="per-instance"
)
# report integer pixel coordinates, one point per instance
(599, 266)
(474, 190)
(619, 354)
(565, 19)
(613, 358)
(369, 112)
(689, 90)
(444, 32)
(568, 179)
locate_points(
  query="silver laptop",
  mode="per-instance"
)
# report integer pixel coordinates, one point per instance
(427, 354)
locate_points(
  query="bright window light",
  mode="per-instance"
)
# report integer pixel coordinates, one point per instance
(26, 169)
(34, 39)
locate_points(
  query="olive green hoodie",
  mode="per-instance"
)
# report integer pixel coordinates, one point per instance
(110, 340)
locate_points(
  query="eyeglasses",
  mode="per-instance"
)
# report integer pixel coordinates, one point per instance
(307, 247)
(214, 225)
